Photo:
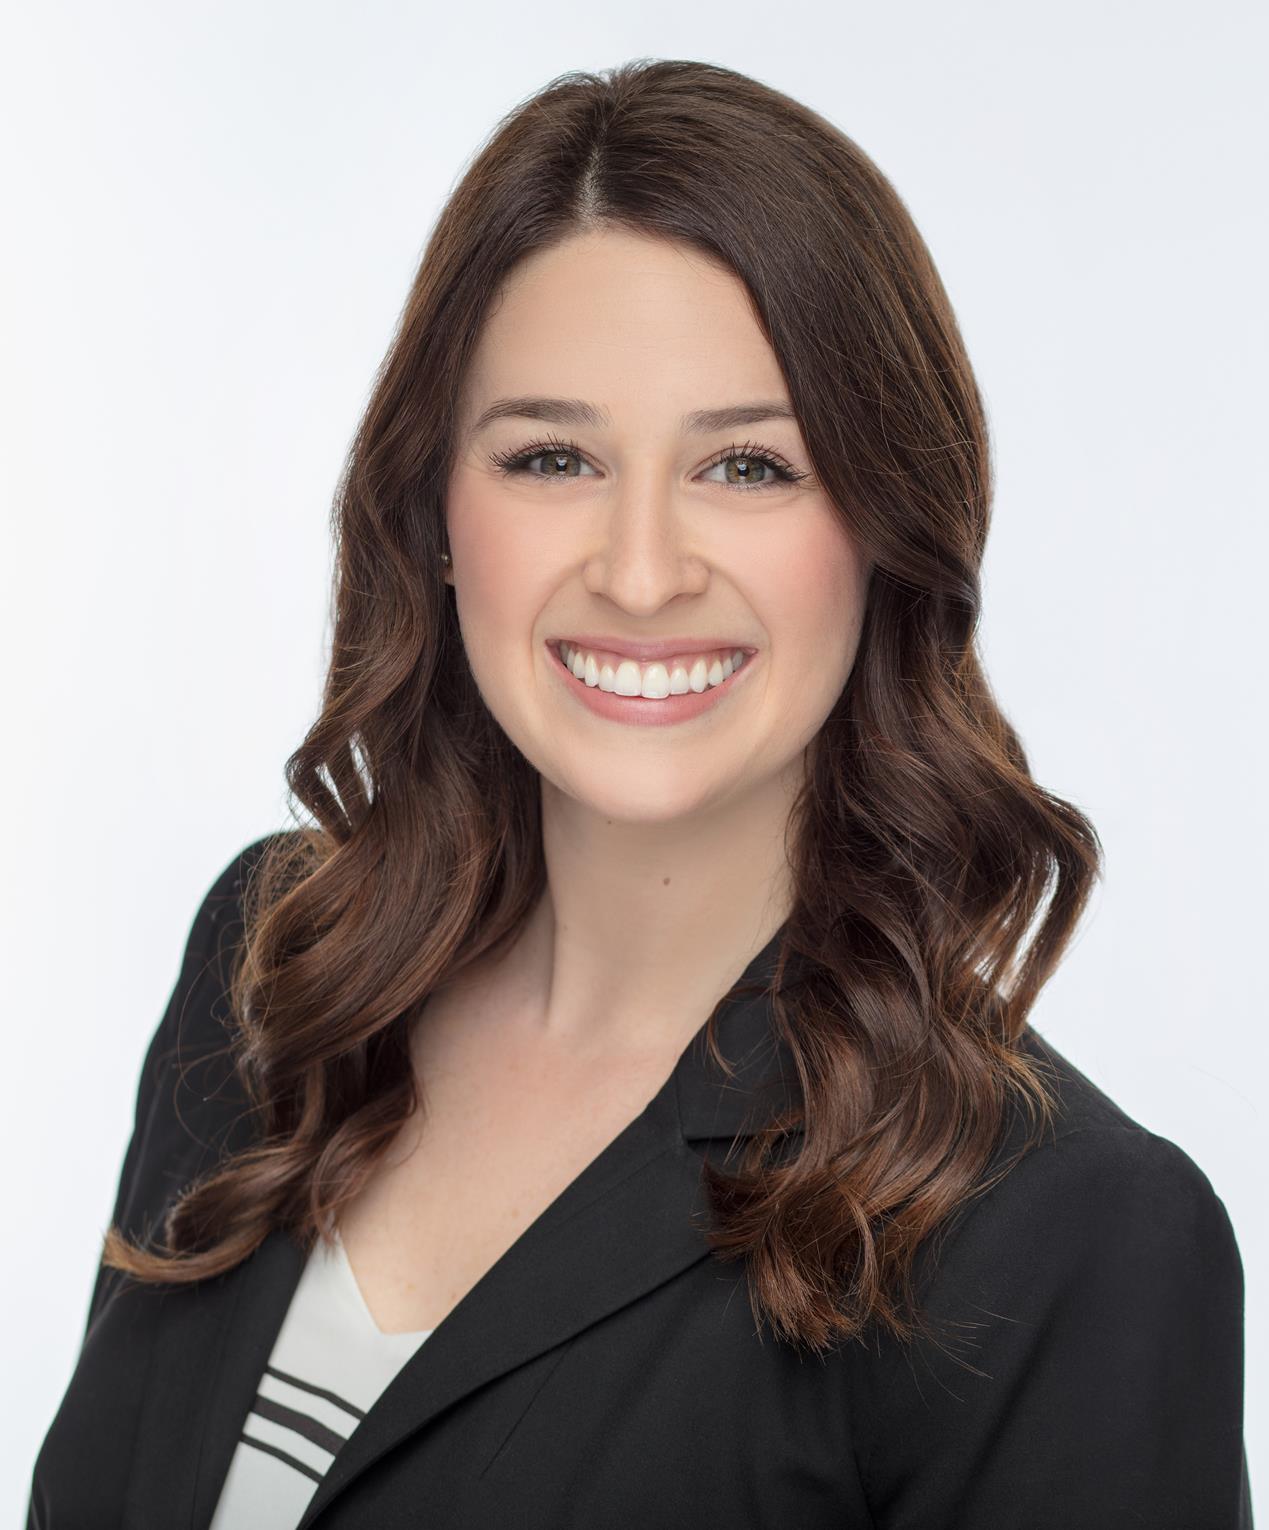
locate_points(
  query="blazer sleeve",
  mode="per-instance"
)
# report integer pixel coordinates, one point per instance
(1097, 1292)
(172, 1045)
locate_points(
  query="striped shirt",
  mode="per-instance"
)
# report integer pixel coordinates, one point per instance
(329, 1363)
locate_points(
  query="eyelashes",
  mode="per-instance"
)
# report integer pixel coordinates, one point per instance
(518, 461)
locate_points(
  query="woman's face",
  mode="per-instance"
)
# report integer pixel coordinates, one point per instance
(632, 525)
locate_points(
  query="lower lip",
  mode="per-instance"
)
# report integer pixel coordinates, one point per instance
(642, 709)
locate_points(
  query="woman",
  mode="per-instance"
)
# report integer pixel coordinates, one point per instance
(617, 1105)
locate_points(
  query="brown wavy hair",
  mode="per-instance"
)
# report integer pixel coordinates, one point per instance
(922, 849)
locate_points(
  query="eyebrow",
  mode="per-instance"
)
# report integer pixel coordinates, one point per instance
(575, 411)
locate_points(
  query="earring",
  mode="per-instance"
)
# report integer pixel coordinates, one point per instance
(445, 559)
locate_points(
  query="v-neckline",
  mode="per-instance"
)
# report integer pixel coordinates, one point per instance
(349, 1276)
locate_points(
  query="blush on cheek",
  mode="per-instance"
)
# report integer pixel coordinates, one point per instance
(502, 546)
(818, 594)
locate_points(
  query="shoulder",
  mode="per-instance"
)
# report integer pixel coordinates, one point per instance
(1100, 1198)
(1081, 1104)
(1087, 1307)
(189, 1101)
(210, 941)
(198, 1017)
(217, 921)
(222, 901)
(1117, 1215)
(1096, 1147)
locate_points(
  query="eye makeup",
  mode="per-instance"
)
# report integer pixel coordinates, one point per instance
(517, 462)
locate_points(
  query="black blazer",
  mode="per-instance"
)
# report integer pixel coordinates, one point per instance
(608, 1372)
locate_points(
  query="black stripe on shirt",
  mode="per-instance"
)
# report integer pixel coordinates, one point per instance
(305, 1386)
(301, 1423)
(272, 1450)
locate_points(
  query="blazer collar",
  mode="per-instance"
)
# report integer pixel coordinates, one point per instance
(633, 1218)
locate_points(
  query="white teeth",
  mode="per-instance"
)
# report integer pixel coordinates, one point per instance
(654, 681)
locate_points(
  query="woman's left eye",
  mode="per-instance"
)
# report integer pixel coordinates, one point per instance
(755, 467)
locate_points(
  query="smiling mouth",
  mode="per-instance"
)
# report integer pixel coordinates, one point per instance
(653, 681)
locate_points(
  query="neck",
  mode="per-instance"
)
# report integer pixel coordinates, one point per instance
(644, 926)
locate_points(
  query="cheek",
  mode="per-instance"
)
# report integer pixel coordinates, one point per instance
(499, 569)
(814, 608)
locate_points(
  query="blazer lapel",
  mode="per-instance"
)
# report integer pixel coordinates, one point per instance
(632, 1219)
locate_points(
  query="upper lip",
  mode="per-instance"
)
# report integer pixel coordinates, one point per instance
(648, 649)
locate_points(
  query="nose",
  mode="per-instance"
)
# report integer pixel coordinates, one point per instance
(647, 552)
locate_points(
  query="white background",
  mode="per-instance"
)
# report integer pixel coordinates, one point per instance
(213, 216)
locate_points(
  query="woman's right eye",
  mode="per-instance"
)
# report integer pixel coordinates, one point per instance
(555, 453)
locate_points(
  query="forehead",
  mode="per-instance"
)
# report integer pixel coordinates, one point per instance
(638, 325)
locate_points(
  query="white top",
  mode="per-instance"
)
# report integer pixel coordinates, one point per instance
(329, 1363)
